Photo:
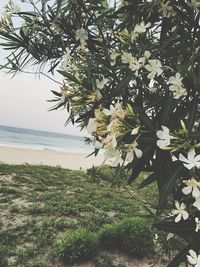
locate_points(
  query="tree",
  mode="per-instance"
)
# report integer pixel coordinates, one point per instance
(131, 71)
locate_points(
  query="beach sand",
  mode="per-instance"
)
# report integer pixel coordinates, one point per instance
(52, 158)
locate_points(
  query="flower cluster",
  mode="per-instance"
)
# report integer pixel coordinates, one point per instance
(109, 126)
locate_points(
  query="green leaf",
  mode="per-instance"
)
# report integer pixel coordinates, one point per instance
(171, 181)
(70, 77)
(139, 165)
(150, 179)
(124, 83)
(56, 93)
(180, 228)
(163, 167)
(145, 119)
(167, 110)
(192, 115)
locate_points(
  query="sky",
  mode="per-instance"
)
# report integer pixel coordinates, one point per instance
(23, 101)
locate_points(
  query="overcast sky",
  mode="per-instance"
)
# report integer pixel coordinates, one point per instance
(23, 101)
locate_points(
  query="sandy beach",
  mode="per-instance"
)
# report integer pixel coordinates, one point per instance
(72, 161)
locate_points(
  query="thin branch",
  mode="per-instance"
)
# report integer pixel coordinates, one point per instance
(44, 74)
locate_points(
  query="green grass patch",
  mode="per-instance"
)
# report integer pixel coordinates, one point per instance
(40, 204)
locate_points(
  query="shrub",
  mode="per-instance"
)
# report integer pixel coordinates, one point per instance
(132, 235)
(109, 236)
(77, 245)
(135, 236)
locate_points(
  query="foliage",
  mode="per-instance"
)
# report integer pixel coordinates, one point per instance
(70, 201)
(108, 236)
(76, 246)
(96, 220)
(116, 176)
(131, 234)
(131, 77)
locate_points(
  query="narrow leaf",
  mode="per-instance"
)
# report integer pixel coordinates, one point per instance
(169, 184)
(150, 179)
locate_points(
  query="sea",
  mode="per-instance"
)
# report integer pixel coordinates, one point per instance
(42, 140)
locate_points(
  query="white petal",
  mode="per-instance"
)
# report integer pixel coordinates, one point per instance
(182, 158)
(178, 218)
(191, 260)
(187, 190)
(197, 203)
(196, 192)
(191, 154)
(135, 131)
(160, 134)
(177, 205)
(189, 166)
(138, 153)
(185, 215)
(106, 112)
(129, 156)
(151, 75)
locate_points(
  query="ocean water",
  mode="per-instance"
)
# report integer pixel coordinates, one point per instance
(40, 140)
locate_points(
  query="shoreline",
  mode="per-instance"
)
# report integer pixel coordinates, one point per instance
(71, 160)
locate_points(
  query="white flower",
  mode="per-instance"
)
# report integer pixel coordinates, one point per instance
(178, 91)
(65, 91)
(192, 186)
(176, 80)
(196, 204)
(134, 36)
(127, 58)
(114, 155)
(134, 64)
(101, 83)
(180, 212)
(141, 28)
(137, 64)
(110, 141)
(82, 48)
(81, 34)
(193, 259)
(117, 160)
(147, 54)
(191, 161)
(166, 10)
(115, 111)
(95, 96)
(164, 137)
(113, 56)
(154, 67)
(177, 86)
(92, 125)
(131, 150)
(66, 62)
(197, 224)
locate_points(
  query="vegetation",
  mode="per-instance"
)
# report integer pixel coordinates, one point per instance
(131, 77)
(77, 246)
(132, 235)
(42, 205)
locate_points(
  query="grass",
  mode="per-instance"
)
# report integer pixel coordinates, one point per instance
(39, 204)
